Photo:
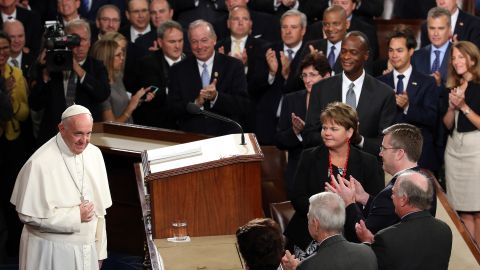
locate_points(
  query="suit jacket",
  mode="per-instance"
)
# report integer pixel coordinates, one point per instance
(186, 11)
(264, 26)
(421, 61)
(378, 213)
(310, 178)
(232, 100)
(407, 9)
(376, 110)
(418, 241)
(327, 256)
(153, 70)
(50, 96)
(423, 98)
(293, 82)
(466, 28)
(146, 41)
(369, 9)
(33, 28)
(27, 62)
(285, 138)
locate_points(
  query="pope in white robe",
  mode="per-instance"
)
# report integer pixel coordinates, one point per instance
(61, 195)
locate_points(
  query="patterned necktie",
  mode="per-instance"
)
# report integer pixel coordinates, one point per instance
(351, 98)
(436, 61)
(290, 54)
(71, 89)
(205, 76)
(236, 46)
(331, 57)
(14, 62)
(400, 84)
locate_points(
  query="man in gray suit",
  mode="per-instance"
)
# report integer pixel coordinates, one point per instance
(326, 217)
(373, 100)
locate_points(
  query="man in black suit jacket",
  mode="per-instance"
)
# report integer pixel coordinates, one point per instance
(400, 151)
(373, 100)
(216, 83)
(31, 21)
(417, 96)
(251, 51)
(464, 26)
(264, 25)
(138, 16)
(86, 84)
(418, 241)
(326, 216)
(19, 56)
(160, 12)
(153, 70)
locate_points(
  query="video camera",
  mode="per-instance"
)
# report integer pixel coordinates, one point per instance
(59, 47)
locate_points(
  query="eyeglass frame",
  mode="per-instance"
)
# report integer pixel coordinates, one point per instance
(382, 148)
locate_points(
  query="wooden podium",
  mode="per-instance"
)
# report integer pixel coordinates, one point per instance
(213, 184)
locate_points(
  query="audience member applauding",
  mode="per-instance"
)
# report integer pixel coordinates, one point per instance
(462, 118)
(318, 165)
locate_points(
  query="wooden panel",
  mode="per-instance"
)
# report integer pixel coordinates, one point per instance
(213, 202)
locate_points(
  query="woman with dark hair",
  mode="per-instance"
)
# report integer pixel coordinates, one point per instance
(462, 118)
(314, 68)
(318, 165)
(261, 244)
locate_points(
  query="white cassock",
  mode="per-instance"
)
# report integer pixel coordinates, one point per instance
(47, 198)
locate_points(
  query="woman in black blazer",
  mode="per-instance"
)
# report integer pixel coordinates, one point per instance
(335, 157)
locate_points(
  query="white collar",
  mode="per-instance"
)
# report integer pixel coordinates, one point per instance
(5, 16)
(406, 73)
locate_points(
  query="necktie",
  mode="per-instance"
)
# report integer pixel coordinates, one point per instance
(400, 84)
(86, 5)
(71, 89)
(436, 61)
(236, 46)
(331, 57)
(14, 62)
(205, 76)
(290, 54)
(351, 98)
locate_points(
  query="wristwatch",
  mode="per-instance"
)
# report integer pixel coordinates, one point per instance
(466, 111)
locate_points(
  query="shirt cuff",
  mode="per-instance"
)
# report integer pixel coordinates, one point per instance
(271, 78)
(361, 142)
(299, 137)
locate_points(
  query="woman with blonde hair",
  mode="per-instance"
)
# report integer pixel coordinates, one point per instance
(119, 106)
(462, 119)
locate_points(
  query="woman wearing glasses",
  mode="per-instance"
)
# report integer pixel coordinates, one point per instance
(462, 154)
(317, 166)
(314, 68)
(119, 106)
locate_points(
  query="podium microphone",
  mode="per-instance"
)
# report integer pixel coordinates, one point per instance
(192, 108)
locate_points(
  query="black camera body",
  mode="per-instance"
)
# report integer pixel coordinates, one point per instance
(59, 47)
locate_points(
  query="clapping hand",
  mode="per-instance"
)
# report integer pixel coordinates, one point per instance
(363, 234)
(297, 124)
(344, 188)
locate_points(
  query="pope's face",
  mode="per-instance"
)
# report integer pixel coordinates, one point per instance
(76, 131)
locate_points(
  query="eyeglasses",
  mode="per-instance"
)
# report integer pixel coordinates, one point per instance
(5, 48)
(108, 20)
(382, 148)
(137, 12)
(309, 75)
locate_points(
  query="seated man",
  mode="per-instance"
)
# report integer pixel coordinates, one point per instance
(418, 241)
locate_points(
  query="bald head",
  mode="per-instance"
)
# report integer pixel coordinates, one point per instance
(417, 188)
(15, 30)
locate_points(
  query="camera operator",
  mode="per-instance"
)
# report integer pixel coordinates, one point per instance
(86, 83)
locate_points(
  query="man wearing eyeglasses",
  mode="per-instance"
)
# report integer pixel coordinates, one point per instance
(139, 20)
(400, 150)
(108, 20)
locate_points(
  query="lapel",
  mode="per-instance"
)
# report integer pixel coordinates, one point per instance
(413, 87)
(426, 57)
(227, 45)
(445, 60)
(366, 96)
(249, 45)
(197, 79)
(217, 69)
(460, 24)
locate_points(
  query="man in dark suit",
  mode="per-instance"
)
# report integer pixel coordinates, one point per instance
(251, 51)
(400, 151)
(433, 59)
(264, 25)
(86, 84)
(160, 12)
(373, 100)
(20, 57)
(153, 70)
(417, 96)
(463, 25)
(326, 216)
(108, 20)
(31, 21)
(216, 83)
(418, 241)
(138, 16)
(187, 11)
(334, 25)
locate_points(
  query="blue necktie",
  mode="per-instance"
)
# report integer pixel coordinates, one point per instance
(436, 61)
(331, 57)
(205, 76)
(400, 84)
